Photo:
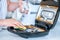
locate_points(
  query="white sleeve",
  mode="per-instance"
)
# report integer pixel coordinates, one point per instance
(3, 10)
(25, 6)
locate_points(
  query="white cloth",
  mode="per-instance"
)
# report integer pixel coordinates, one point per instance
(3, 11)
(14, 0)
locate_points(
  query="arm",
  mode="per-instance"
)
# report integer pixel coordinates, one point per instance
(1, 21)
(10, 22)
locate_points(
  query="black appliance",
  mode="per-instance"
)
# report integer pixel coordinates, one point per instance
(45, 19)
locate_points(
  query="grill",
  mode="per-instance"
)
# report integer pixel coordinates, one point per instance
(42, 26)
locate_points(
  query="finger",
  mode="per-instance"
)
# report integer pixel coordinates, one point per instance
(26, 11)
(11, 25)
(20, 26)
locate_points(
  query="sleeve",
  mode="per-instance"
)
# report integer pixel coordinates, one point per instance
(3, 11)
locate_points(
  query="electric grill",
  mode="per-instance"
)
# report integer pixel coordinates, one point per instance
(44, 22)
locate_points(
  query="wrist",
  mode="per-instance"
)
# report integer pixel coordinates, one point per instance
(1, 22)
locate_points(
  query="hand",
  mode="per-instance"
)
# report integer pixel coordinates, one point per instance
(21, 7)
(12, 5)
(26, 11)
(11, 22)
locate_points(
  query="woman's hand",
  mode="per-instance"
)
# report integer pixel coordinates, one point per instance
(12, 5)
(21, 4)
(11, 22)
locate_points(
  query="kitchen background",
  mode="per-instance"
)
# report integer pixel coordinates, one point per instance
(54, 34)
